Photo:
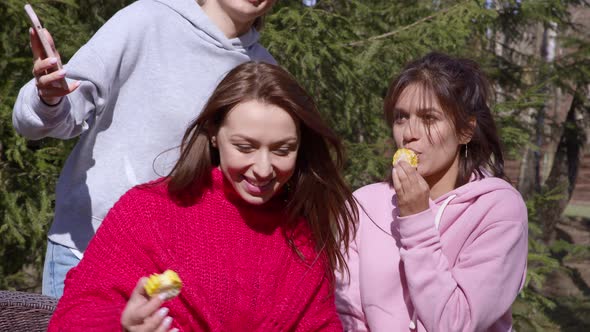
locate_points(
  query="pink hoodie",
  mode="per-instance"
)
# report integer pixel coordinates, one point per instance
(457, 266)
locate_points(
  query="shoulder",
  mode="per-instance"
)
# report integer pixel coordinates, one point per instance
(258, 53)
(374, 202)
(135, 20)
(144, 198)
(138, 211)
(374, 191)
(502, 199)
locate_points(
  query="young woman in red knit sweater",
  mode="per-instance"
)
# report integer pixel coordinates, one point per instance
(250, 217)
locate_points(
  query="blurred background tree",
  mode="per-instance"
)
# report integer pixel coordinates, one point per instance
(345, 53)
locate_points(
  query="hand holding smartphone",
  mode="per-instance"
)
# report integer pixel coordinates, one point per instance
(47, 48)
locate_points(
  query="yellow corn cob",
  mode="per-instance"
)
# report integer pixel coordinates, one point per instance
(167, 283)
(405, 154)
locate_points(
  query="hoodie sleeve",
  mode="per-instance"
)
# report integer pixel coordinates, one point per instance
(98, 65)
(348, 295)
(485, 279)
(35, 120)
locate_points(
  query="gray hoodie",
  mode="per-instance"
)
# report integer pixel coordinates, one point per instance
(145, 75)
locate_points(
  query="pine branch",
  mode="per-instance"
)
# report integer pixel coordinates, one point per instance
(406, 27)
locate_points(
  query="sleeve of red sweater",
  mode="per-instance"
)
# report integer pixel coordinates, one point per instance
(97, 290)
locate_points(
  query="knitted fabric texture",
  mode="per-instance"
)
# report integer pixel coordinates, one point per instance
(238, 271)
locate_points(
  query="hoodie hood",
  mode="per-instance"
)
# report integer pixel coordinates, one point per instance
(475, 188)
(206, 29)
(462, 197)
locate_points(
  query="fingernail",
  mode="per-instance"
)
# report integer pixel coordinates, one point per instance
(52, 61)
(163, 296)
(163, 312)
(167, 321)
(62, 72)
(174, 330)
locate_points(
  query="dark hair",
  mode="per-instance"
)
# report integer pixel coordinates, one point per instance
(318, 191)
(259, 23)
(463, 92)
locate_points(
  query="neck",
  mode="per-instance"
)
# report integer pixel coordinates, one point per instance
(443, 182)
(223, 21)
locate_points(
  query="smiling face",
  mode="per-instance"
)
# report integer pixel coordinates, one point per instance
(258, 145)
(421, 125)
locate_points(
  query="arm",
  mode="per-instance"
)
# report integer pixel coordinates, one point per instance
(484, 282)
(348, 295)
(35, 119)
(97, 290)
(96, 66)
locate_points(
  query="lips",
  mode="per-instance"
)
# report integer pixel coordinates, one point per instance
(256, 188)
(415, 151)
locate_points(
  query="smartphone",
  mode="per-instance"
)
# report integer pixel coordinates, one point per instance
(45, 42)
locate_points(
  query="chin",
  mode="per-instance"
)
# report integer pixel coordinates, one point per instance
(254, 200)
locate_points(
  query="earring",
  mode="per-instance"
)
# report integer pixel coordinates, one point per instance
(465, 150)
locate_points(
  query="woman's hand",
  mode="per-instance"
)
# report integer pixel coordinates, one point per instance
(44, 70)
(411, 189)
(145, 314)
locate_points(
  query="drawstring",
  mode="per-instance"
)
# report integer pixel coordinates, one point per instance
(441, 209)
(413, 321)
(437, 219)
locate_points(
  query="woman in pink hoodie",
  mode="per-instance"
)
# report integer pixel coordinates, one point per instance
(441, 247)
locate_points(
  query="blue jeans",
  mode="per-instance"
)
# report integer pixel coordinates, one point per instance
(58, 261)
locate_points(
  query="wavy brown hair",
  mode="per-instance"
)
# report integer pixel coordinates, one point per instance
(463, 92)
(318, 192)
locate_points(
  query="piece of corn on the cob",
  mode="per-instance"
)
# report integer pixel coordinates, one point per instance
(405, 154)
(167, 283)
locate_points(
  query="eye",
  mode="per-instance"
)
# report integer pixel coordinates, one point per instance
(429, 117)
(245, 148)
(400, 117)
(283, 150)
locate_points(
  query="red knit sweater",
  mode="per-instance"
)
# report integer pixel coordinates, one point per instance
(239, 273)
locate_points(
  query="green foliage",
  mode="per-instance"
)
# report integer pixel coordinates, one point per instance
(531, 305)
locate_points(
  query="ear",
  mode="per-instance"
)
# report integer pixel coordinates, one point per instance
(468, 135)
(214, 141)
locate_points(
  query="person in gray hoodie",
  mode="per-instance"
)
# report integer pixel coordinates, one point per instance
(133, 90)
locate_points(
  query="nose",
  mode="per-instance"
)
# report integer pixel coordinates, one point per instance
(262, 167)
(411, 131)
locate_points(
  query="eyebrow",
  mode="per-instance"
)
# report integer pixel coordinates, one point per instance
(420, 110)
(290, 139)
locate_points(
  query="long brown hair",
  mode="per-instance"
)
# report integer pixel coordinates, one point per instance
(463, 92)
(318, 191)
